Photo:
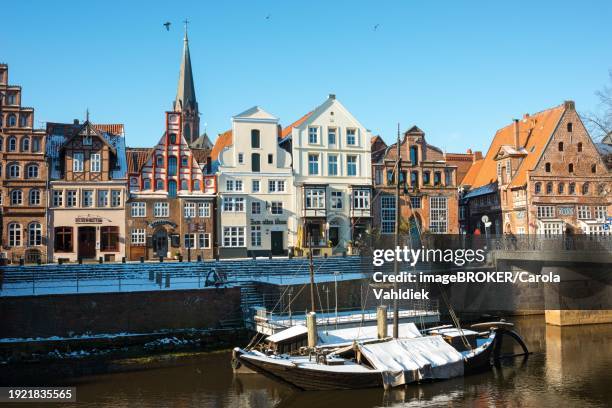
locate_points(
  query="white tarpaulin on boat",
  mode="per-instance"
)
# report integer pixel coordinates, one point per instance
(403, 361)
(342, 336)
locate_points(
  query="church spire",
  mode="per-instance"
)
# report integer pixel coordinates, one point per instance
(185, 95)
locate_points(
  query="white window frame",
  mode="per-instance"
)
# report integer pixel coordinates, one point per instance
(204, 240)
(545, 211)
(77, 162)
(438, 214)
(233, 237)
(584, 212)
(276, 208)
(361, 199)
(315, 199)
(255, 207)
(95, 163)
(333, 163)
(233, 204)
(351, 137)
(71, 198)
(139, 209)
(161, 209)
(387, 214)
(336, 200)
(351, 160)
(313, 162)
(189, 209)
(87, 198)
(255, 186)
(204, 209)
(313, 135)
(256, 236)
(103, 198)
(58, 198)
(138, 236)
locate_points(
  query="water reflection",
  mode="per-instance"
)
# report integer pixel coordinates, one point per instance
(570, 367)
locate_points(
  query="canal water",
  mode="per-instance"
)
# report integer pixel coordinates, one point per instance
(570, 367)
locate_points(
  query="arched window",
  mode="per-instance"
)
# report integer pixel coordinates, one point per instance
(196, 185)
(14, 170)
(172, 165)
(12, 144)
(414, 155)
(35, 145)
(14, 234)
(159, 160)
(172, 188)
(23, 120)
(561, 188)
(172, 138)
(159, 184)
(570, 127)
(32, 171)
(184, 161)
(255, 162)
(16, 197)
(12, 120)
(593, 168)
(585, 188)
(560, 146)
(146, 184)
(570, 167)
(34, 234)
(549, 187)
(184, 185)
(255, 143)
(579, 146)
(538, 187)
(547, 167)
(601, 189)
(34, 197)
(572, 188)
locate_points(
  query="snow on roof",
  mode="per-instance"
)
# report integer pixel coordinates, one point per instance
(293, 331)
(406, 330)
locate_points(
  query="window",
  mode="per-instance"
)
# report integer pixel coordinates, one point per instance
(552, 228)
(585, 188)
(190, 240)
(336, 200)
(77, 162)
(378, 176)
(25, 144)
(87, 140)
(161, 209)
(196, 185)
(313, 164)
(14, 171)
(438, 215)
(159, 184)
(94, 163)
(11, 99)
(256, 236)
(184, 161)
(538, 188)
(387, 211)
(159, 160)
(437, 178)
(313, 135)
(276, 208)
(255, 186)
(32, 171)
(255, 207)
(34, 234)
(172, 188)
(350, 137)
(255, 139)
(102, 198)
(233, 204)
(276, 186)
(204, 210)
(462, 212)
(572, 188)
(414, 179)
(23, 120)
(570, 167)
(499, 171)
(63, 239)
(138, 236)
(204, 240)
(139, 209)
(601, 189)
(172, 138)
(390, 178)
(12, 120)
(331, 136)
(71, 198)
(579, 146)
(584, 212)
(601, 212)
(58, 198)
(12, 144)
(14, 237)
(109, 239)
(315, 198)
(184, 185)
(115, 198)
(361, 199)
(172, 166)
(87, 198)
(189, 210)
(415, 202)
(546, 211)
(34, 197)
(146, 184)
(255, 165)
(561, 188)
(133, 183)
(332, 165)
(351, 165)
(570, 127)
(426, 178)
(16, 197)
(593, 168)
(35, 145)
(270, 158)
(240, 158)
(233, 185)
(233, 237)
(549, 187)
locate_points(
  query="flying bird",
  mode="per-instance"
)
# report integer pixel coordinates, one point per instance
(376, 27)
(167, 25)
(268, 16)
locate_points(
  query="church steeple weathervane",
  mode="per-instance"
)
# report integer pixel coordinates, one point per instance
(186, 102)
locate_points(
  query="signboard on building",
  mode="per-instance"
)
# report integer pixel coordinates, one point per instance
(88, 220)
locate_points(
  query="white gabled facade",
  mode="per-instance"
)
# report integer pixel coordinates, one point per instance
(255, 189)
(332, 176)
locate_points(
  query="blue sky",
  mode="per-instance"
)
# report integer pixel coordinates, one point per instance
(459, 70)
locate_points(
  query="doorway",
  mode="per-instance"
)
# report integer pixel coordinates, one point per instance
(87, 243)
(276, 246)
(334, 235)
(160, 242)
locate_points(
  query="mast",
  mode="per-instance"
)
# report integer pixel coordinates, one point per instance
(311, 267)
(398, 163)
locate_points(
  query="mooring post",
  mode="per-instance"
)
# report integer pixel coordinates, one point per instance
(381, 321)
(142, 259)
(158, 279)
(161, 258)
(151, 275)
(167, 279)
(311, 325)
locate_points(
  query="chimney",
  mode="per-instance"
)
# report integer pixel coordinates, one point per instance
(569, 105)
(516, 134)
(477, 155)
(469, 151)
(332, 96)
(75, 122)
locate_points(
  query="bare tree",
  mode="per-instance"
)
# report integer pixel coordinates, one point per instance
(600, 122)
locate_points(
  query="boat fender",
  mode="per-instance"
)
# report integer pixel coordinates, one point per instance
(236, 364)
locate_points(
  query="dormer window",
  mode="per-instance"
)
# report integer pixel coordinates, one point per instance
(172, 138)
(87, 140)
